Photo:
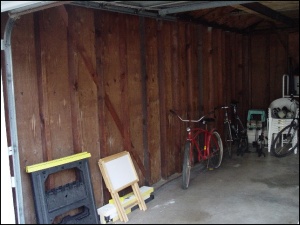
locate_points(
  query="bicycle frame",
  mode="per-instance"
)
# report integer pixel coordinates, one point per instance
(233, 131)
(192, 136)
(227, 121)
(236, 130)
(239, 127)
(212, 149)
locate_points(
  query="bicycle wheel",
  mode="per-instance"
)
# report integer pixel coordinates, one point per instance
(285, 142)
(187, 164)
(260, 146)
(228, 140)
(243, 144)
(216, 150)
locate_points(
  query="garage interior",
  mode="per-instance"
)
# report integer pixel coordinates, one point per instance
(101, 77)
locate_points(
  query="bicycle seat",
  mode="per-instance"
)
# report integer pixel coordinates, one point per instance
(207, 120)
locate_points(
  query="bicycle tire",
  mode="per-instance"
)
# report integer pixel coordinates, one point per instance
(243, 145)
(260, 146)
(284, 147)
(216, 150)
(187, 164)
(228, 140)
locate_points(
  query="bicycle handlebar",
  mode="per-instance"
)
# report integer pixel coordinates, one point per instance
(193, 121)
(224, 107)
(227, 106)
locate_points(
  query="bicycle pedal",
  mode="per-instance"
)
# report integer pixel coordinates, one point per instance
(210, 168)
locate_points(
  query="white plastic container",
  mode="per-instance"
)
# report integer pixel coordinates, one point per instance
(251, 135)
(251, 124)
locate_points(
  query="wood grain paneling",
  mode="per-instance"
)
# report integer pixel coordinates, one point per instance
(207, 69)
(135, 93)
(161, 30)
(100, 40)
(293, 49)
(27, 104)
(153, 100)
(182, 89)
(259, 73)
(245, 76)
(103, 82)
(175, 124)
(278, 64)
(195, 70)
(83, 88)
(53, 34)
(112, 82)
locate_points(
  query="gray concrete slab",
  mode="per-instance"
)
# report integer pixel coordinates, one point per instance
(244, 190)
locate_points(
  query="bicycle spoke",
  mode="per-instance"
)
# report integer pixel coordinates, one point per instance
(285, 142)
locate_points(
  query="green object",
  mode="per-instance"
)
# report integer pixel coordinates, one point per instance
(260, 112)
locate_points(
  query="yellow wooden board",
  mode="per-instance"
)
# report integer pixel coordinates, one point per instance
(57, 162)
(108, 212)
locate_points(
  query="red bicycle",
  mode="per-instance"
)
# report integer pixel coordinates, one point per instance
(207, 143)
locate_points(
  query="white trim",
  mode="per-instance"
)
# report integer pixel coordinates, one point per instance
(13, 5)
(7, 204)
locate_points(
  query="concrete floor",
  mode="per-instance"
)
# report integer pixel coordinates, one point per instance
(244, 190)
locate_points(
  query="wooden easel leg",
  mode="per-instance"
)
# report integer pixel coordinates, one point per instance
(138, 195)
(122, 214)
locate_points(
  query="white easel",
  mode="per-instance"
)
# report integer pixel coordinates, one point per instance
(118, 173)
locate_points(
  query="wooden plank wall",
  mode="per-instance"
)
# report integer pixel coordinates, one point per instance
(269, 54)
(293, 49)
(29, 124)
(103, 82)
(84, 88)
